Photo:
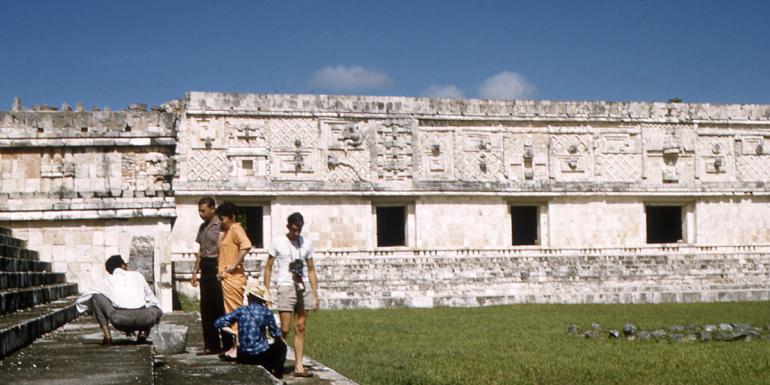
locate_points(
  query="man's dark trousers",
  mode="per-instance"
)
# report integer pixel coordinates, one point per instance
(212, 306)
(272, 359)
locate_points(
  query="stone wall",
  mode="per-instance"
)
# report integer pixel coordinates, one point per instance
(81, 185)
(476, 277)
(590, 168)
(461, 222)
(295, 144)
(596, 222)
(735, 220)
(79, 248)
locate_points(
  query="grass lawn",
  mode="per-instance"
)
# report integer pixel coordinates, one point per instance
(527, 344)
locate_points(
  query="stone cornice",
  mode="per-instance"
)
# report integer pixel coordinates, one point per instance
(461, 109)
(58, 125)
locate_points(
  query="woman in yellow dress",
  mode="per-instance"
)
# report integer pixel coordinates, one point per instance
(233, 246)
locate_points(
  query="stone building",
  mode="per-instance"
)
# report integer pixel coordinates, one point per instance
(410, 201)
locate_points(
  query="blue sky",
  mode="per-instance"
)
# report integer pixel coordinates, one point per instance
(112, 53)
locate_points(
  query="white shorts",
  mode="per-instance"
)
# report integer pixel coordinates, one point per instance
(290, 299)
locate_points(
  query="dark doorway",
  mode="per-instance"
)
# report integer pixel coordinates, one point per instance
(664, 224)
(251, 219)
(391, 226)
(524, 225)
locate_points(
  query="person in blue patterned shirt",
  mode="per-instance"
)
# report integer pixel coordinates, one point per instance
(253, 320)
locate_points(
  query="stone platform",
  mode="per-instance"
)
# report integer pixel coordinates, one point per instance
(73, 355)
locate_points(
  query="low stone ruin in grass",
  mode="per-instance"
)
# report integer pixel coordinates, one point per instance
(676, 333)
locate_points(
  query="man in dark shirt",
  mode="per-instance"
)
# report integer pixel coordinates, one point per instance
(211, 302)
(252, 319)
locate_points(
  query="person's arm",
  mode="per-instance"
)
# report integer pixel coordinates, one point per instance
(226, 320)
(268, 270)
(244, 245)
(275, 331)
(194, 280)
(220, 237)
(313, 282)
(149, 297)
(239, 261)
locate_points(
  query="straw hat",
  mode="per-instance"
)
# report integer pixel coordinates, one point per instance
(257, 290)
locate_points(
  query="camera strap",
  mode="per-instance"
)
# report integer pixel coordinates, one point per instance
(299, 248)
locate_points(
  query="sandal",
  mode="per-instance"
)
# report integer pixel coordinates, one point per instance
(304, 374)
(226, 358)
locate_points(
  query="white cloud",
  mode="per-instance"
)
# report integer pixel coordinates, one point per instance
(506, 85)
(450, 92)
(352, 78)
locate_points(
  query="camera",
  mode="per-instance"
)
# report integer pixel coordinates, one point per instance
(295, 267)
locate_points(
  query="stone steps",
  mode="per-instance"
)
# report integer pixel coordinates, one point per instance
(29, 279)
(33, 300)
(20, 328)
(432, 299)
(557, 269)
(15, 299)
(489, 277)
(17, 252)
(22, 265)
(366, 280)
(9, 240)
(459, 286)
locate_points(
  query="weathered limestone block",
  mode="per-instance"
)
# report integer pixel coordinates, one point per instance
(169, 338)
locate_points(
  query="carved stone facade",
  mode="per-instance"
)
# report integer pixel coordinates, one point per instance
(81, 186)
(593, 175)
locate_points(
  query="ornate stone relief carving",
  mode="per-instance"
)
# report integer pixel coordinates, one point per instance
(247, 151)
(294, 146)
(526, 157)
(246, 133)
(209, 133)
(394, 152)
(481, 156)
(670, 155)
(618, 156)
(715, 158)
(57, 165)
(753, 158)
(159, 170)
(437, 154)
(207, 165)
(348, 159)
(570, 157)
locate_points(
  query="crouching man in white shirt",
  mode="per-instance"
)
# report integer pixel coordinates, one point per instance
(123, 299)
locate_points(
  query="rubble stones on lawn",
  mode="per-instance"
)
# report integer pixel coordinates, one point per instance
(677, 333)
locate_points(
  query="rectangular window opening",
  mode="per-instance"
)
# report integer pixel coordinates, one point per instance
(524, 221)
(251, 219)
(391, 226)
(664, 224)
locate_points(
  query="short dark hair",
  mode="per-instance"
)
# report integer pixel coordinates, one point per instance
(113, 263)
(208, 201)
(227, 209)
(296, 219)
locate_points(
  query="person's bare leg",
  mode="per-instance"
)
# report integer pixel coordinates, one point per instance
(285, 317)
(233, 352)
(299, 340)
(107, 337)
(141, 335)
